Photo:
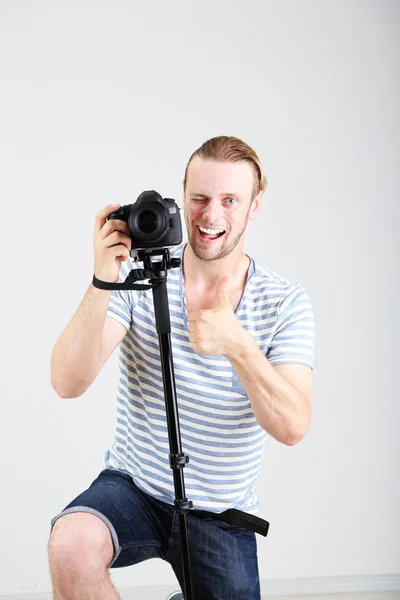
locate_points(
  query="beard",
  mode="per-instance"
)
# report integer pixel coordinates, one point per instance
(226, 248)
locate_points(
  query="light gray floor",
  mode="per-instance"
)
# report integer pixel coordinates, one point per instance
(353, 596)
(358, 596)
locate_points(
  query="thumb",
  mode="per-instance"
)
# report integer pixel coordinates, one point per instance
(221, 294)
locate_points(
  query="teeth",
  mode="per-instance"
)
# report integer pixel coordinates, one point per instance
(211, 231)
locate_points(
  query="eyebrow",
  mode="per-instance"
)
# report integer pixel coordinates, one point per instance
(207, 196)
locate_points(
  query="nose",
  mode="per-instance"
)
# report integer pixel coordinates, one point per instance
(213, 212)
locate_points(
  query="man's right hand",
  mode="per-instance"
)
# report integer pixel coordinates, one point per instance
(112, 244)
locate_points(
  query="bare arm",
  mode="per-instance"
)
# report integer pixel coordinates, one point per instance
(85, 345)
(280, 396)
(91, 337)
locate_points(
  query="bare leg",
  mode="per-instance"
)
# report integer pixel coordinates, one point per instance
(80, 552)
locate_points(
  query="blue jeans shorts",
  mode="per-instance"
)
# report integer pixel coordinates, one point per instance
(223, 557)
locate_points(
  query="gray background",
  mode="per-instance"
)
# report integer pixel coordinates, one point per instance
(101, 100)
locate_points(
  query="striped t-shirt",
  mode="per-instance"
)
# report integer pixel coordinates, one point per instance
(219, 431)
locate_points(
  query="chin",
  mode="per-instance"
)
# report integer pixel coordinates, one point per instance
(213, 253)
(210, 254)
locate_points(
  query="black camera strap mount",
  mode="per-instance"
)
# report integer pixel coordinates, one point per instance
(155, 271)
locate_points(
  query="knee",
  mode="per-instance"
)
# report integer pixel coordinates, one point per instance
(78, 542)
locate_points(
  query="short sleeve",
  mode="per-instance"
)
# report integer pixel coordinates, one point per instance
(122, 302)
(293, 341)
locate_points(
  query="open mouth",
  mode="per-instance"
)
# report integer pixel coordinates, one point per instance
(210, 234)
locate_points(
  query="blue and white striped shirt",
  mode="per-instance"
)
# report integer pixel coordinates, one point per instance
(219, 431)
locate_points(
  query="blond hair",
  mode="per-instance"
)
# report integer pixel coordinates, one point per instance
(231, 149)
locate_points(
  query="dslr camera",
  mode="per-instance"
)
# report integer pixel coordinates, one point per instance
(153, 221)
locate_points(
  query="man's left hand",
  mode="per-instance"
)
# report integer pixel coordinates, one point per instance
(216, 331)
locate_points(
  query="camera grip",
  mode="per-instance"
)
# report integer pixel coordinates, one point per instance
(121, 214)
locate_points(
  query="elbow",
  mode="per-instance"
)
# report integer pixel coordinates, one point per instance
(289, 439)
(293, 440)
(294, 437)
(66, 392)
(67, 386)
(299, 428)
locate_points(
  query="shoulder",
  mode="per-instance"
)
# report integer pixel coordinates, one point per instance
(266, 282)
(271, 290)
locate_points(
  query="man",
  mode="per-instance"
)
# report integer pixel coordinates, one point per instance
(242, 343)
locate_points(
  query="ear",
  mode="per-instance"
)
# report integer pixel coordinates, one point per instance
(255, 205)
(183, 193)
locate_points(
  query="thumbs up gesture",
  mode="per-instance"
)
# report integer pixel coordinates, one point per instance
(216, 331)
(221, 299)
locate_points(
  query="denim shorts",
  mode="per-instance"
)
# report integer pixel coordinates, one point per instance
(223, 557)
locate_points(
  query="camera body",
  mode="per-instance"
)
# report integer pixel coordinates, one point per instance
(153, 221)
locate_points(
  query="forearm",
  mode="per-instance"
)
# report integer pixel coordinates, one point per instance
(278, 406)
(75, 356)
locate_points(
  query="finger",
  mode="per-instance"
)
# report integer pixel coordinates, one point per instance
(221, 299)
(117, 251)
(194, 315)
(117, 238)
(113, 225)
(222, 285)
(103, 214)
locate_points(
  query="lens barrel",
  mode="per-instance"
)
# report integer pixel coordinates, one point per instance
(149, 222)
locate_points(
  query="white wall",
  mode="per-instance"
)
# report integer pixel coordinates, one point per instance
(101, 100)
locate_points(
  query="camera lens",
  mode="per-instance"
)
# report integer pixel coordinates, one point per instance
(147, 221)
(148, 224)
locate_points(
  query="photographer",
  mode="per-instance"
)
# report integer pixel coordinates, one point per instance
(242, 340)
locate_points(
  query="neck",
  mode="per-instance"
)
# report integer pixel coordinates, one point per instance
(203, 274)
